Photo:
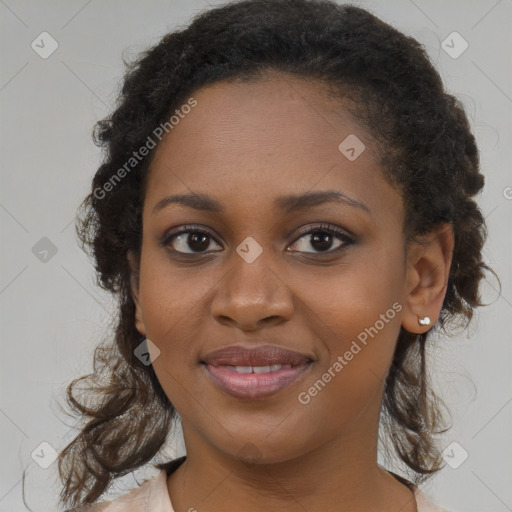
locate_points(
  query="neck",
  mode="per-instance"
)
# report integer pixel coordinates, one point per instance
(340, 475)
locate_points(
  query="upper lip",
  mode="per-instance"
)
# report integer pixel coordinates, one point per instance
(263, 355)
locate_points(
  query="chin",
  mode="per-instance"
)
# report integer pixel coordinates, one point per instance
(265, 452)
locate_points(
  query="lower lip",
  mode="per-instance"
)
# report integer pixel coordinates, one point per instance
(254, 385)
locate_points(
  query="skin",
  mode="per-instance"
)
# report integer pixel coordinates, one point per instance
(245, 144)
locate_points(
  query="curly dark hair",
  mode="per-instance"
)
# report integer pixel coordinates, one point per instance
(426, 149)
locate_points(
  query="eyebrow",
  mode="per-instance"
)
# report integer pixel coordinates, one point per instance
(287, 204)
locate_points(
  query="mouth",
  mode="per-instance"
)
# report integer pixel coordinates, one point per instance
(257, 372)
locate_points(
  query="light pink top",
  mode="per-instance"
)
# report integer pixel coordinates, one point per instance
(153, 496)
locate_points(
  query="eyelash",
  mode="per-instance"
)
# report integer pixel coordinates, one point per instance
(329, 229)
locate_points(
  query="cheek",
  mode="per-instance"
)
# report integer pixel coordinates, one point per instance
(170, 308)
(353, 370)
(362, 293)
(172, 300)
(357, 317)
(176, 311)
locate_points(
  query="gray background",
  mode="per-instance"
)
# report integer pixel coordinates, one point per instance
(52, 314)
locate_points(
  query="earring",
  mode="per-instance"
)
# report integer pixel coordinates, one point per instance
(424, 321)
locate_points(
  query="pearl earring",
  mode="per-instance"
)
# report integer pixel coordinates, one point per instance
(424, 321)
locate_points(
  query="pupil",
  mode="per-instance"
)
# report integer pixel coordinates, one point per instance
(317, 242)
(193, 239)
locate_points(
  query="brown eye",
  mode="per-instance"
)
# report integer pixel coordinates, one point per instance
(189, 240)
(321, 239)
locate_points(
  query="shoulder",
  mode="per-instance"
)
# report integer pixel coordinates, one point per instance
(150, 496)
(424, 504)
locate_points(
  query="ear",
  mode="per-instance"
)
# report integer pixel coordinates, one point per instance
(429, 258)
(134, 264)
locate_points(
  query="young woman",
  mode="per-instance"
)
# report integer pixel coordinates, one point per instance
(285, 213)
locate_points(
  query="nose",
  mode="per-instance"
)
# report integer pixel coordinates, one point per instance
(252, 295)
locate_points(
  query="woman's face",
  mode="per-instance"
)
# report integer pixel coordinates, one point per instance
(257, 278)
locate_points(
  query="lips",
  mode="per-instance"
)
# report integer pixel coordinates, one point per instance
(255, 373)
(266, 355)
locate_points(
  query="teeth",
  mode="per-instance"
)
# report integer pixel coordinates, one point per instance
(259, 369)
(243, 369)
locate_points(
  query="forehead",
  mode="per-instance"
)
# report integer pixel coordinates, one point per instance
(271, 115)
(249, 142)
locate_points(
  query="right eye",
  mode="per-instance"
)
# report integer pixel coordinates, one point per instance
(188, 240)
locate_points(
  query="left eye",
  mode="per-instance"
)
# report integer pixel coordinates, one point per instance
(321, 238)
